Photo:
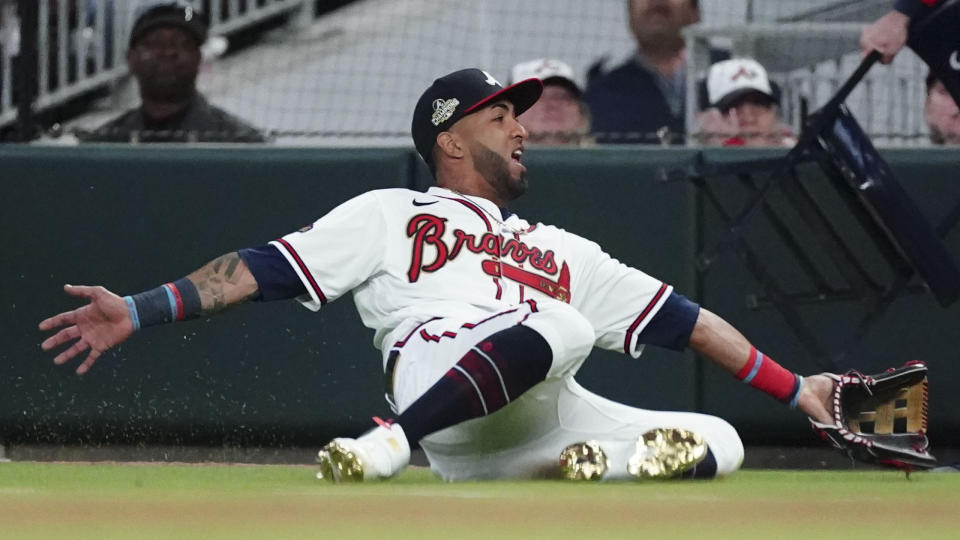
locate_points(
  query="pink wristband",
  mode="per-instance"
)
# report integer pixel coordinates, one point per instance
(764, 374)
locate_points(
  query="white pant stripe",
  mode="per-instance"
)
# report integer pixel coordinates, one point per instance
(496, 370)
(475, 387)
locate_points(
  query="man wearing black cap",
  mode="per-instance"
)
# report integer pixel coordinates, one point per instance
(482, 318)
(164, 56)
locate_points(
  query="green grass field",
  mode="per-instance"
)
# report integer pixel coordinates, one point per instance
(72, 500)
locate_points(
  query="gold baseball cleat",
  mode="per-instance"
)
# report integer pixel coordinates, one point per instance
(583, 461)
(666, 452)
(338, 464)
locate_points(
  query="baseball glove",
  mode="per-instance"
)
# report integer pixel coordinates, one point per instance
(881, 419)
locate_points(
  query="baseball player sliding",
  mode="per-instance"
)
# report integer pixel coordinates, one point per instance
(483, 318)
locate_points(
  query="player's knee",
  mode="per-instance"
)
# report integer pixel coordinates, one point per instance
(570, 334)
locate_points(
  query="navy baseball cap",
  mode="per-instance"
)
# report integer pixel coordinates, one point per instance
(175, 14)
(460, 93)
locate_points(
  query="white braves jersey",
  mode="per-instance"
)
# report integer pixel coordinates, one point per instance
(412, 256)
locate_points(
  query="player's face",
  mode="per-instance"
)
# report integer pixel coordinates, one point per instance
(165, 62)
(943, 116)
(494, 138)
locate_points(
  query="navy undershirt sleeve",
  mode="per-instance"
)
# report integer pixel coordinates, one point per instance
(672, 326)
(275, 277)
(914, 8)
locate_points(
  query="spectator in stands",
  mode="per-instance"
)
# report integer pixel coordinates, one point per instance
(642, 100)
(559, 117)
(744, 107)
(941, 113)
(164, 56)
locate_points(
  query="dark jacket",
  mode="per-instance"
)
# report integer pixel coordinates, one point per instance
(197, 122)
(915, 8)
(628, 106)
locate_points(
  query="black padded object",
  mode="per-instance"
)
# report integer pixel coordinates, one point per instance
(936, 39)
(874, 183)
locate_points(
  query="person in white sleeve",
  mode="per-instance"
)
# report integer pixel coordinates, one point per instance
(482, 317)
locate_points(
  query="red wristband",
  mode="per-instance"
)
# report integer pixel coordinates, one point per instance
(764, 374)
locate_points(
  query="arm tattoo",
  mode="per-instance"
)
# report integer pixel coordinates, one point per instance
(224, 282)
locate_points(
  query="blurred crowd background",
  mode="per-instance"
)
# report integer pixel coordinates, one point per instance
(342, 72)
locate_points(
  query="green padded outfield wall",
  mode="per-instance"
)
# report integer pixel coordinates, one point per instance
(278, 374)
(132, 218)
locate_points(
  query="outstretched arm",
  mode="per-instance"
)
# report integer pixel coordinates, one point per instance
(108, 320)
(887, 35)
(223, 282)
(717, 340)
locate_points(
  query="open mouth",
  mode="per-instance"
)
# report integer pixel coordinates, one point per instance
(517, 155)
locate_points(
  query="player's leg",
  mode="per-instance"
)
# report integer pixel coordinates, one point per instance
(550, 340)
(525, 439)
(672, 437)
(449, 372)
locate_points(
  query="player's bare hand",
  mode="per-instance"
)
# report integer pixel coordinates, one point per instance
(815, 397)
(97, 326)
(887, 35)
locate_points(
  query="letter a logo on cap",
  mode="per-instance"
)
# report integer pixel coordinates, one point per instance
(744, 72)
(490, 80)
